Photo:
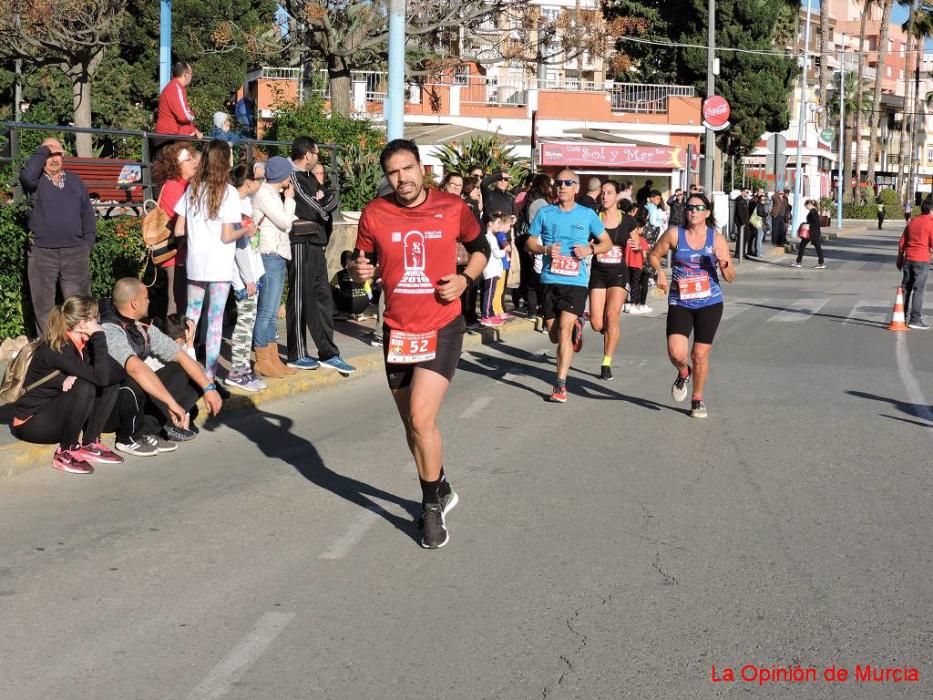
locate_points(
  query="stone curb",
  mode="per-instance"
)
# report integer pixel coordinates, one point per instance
(20, 457)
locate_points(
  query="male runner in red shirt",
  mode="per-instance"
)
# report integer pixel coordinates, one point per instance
(410, 236)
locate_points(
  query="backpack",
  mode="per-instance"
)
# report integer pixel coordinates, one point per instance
(12, 387)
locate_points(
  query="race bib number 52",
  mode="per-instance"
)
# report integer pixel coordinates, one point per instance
(409, 348)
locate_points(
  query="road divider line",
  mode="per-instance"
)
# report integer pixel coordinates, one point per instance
(799, 311)
(220, 679)
(906, 370)
(477, 406)
(344, 544)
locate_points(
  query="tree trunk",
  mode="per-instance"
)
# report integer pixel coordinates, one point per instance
(903, 183)
(857, 132)
(915, 120)
(824, 67)
(875, 117)
(338, 74)
(81, 76)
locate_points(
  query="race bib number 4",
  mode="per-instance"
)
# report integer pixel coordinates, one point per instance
(409, 348)
(565, 265)
(694, 287)
(613, 257)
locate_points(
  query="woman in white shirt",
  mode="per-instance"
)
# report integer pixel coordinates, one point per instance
(276, 215)
(207, 215)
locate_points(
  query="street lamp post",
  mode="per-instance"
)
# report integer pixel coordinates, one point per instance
(801, 126)
(842, 131)
(709, 143)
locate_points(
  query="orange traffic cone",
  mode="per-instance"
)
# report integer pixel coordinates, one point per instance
(898, 322)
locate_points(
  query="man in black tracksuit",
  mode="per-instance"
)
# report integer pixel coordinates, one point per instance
(310, 302)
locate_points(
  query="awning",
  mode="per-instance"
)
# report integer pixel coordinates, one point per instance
(574, 154)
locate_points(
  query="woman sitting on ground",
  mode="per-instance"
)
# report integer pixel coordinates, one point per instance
(71, 388)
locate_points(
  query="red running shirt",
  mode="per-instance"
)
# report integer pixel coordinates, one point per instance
(415, 248)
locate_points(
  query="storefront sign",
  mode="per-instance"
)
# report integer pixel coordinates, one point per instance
(572, 155)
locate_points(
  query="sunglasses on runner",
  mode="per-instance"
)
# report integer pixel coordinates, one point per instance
(695, 207)
(565, 183)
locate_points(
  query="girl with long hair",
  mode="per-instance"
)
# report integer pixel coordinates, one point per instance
(71, 389)
(209, 218)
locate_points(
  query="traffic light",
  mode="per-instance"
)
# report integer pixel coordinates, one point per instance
(819, 61)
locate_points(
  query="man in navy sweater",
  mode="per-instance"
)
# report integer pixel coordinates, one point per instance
(62, 230)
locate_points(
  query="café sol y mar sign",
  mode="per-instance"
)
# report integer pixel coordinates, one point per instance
(716, 112)
(572, 155)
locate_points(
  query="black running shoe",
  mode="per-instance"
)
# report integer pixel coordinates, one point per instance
(605, 372)
(697, 409)
(679, 389)
(447, 496)
(434, 528)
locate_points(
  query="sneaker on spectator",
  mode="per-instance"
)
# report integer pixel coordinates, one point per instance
(257, 380)
(137, 448)
(68, 461)
(304, 363)
(98, 452)
(160, 444)
(920, 325)
(241, 381)
(176, 434)
(336, 362)
(374, 339)
(626, 308)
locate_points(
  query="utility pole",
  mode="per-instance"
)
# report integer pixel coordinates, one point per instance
(842, 132)
(709, 144)
(801, 127)
(395, 100)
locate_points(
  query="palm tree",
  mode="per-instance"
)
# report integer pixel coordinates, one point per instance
(875, 116)
(903, 186)
(856, 103)
(923, 27)
(824, 54)
(857, 131)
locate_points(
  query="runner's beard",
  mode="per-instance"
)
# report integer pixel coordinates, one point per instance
(408, 197)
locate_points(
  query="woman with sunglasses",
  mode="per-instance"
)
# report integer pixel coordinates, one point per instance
(701, 254)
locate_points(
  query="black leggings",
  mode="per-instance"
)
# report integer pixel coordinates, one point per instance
(136, 413)
(84, 407)
(816, 244)
(638, 286)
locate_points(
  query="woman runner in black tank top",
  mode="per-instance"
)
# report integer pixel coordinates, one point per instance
(609, 278)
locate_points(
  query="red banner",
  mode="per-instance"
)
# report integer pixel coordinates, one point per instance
(611, 156)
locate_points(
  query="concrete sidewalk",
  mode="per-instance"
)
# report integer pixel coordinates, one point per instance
(351, 337)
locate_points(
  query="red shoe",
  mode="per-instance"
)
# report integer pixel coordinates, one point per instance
(99, 453)
(68, 461)
(559, 395)
(576, 335)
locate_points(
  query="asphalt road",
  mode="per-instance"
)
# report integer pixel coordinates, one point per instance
(609, 547)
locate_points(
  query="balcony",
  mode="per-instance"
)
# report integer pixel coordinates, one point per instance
(646, 99)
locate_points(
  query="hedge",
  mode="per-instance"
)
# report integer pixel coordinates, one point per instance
(118, 252)
(870, 211)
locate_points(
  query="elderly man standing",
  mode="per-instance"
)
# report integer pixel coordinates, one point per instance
(62, 230)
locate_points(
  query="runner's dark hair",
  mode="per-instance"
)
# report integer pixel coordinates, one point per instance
(711, 221)
(396, 146)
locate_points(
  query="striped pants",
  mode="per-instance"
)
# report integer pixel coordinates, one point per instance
(310, 303)
(242, 340)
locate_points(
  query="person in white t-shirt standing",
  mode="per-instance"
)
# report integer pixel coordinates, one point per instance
(207, 215)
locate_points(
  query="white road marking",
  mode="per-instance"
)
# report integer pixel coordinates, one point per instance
(244, 654)
(344, 544)
(799, 311)
(733, 307)
(869, 310)
(477, 406)
(906, 370)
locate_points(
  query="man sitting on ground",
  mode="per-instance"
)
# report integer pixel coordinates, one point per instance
(167, 396)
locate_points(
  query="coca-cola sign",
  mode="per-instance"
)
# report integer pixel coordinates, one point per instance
(716, 112)
(611, 155)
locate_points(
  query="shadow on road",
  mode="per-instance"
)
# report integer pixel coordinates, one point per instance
(272, 433)
(916, 410)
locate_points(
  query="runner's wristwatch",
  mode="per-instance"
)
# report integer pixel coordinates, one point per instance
(469, 279)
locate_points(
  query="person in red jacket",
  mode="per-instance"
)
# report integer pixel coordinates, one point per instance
(913, 257)
(175, 116)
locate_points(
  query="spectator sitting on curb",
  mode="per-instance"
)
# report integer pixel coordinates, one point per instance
(62, 230)
(166, 397)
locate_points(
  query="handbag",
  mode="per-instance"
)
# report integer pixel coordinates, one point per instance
(756, 220)
(803, 232)
(160, 242)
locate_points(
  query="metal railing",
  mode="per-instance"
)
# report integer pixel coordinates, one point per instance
(11, 137)
(646, 99)
(513, 90)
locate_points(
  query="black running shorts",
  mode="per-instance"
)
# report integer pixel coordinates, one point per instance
(564, 297)
(449, 346)
(609, 277)
(703, 322)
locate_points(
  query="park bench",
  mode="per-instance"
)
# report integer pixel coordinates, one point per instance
(111, 183)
